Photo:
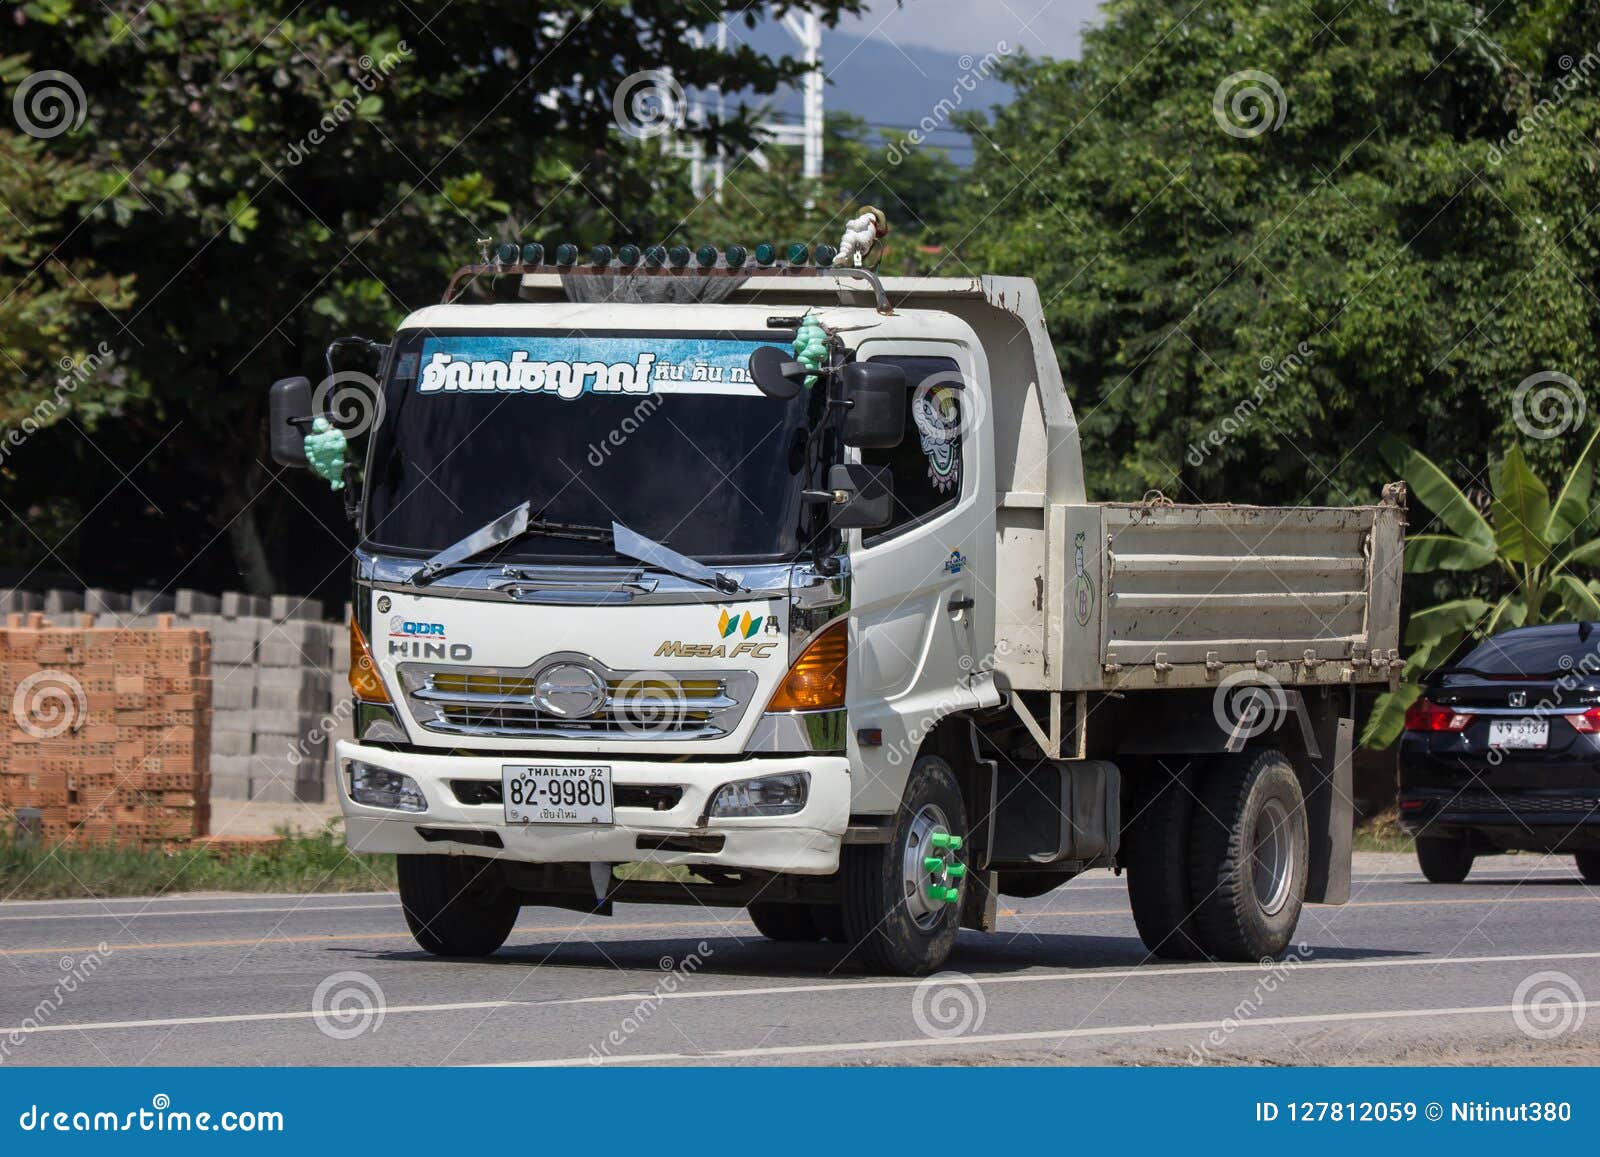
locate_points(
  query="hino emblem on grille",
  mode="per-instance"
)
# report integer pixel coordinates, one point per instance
(1517, 699)
(570, 690)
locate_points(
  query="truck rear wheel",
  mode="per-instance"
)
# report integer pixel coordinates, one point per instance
(901, 916)
(1444, 859)
(1248, 856)
(784, 921)
(456, 905)
(1155, 850)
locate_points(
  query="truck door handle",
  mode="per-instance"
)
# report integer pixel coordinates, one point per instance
(961, 603)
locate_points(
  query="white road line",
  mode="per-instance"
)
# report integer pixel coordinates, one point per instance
(926, 1044)
(157, 913)
(196, 898)
(846, 986)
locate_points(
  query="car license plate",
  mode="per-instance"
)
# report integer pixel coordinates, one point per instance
(1519, 733)
(542, 793)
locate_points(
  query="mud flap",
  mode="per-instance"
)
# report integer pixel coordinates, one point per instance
(980, 906)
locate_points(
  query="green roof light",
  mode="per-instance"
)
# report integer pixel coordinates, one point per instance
(706, 256)
(533, 254)
(505, 253)
(655, 256)
(600, 255)
(825, 255)
(566, 253)
(799, 254)
(766, 253)
(735, 256)
(678, 256)
(628, 255)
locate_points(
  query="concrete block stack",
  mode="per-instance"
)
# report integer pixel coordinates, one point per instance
(108, 732)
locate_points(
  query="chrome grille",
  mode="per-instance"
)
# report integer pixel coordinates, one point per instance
(638, 705)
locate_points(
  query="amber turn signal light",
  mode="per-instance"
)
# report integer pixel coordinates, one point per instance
(365, 682)
(816, 681)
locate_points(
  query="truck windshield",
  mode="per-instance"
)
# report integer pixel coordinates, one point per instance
(664, 433)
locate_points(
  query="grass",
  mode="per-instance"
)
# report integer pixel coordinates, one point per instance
(1382, 834)
(296, 863)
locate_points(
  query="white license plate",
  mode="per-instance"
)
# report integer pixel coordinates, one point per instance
(1513, 733)
(542, 793)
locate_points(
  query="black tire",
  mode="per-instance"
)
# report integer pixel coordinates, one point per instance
(1444, 859)
(1155, 851)
(1249, 852)
(784, 921)
(1589, 866)
(456, 905)
(885, 933)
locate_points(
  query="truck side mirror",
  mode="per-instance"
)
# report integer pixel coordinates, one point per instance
(875, 395)
(870, 497)
(775, 373)
(289, 420)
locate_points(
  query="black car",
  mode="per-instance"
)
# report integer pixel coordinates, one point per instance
(1502, 753)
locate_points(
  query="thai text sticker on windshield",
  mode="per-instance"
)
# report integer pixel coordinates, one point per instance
(572, 367)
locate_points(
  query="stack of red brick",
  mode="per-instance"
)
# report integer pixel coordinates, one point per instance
(107, 732)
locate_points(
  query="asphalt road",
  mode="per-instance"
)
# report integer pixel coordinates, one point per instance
(1505, 968)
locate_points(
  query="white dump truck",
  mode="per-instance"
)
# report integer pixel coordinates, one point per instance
(782, 578)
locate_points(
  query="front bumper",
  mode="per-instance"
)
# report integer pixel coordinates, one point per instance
(805, 843)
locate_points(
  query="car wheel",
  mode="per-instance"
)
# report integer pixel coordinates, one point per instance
(456, 905)
(1444, 859)
(1589, 866)
(1248, 856)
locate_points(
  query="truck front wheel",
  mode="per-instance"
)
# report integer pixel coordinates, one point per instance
(900, 913)
(1248, 856)
(455, 905)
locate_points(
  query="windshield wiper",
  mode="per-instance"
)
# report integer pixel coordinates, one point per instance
(519, 521)
(647, 550)
(509, 527)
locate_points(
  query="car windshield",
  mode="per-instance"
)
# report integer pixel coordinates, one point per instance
(662, 433)
(1538, 652)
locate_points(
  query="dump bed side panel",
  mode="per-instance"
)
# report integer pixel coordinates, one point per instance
(1162, 595)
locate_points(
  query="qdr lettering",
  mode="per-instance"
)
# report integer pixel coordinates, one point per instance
(566, 380)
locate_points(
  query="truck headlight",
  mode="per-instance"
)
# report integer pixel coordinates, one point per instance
(380, 787)
(771, 795)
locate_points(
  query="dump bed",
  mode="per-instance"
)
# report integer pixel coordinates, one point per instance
(1121, 595)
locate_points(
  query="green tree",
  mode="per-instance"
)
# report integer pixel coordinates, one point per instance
(1300, 225)
(269, 175)
(1524, 563)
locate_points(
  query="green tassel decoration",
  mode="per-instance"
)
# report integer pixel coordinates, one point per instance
(325, 448)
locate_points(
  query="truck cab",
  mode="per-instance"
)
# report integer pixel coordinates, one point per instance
(783, 582)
